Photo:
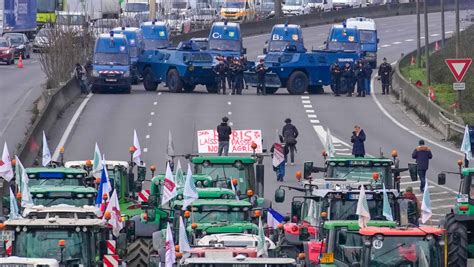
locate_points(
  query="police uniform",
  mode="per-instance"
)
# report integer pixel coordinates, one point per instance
(260, 69)
(335, 78)
(385, 70)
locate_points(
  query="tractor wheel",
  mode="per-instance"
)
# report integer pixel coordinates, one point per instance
(211, 88)
(189, 88)
(148, 80)
(175, 84)
(457, 242)
(270, 90)
(297, 83)
(138, 252)
(316, 90)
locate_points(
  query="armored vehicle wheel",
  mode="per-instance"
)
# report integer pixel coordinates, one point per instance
(270, 90)
(188, 88)
(175, 84)
(148, 80)
(138, 252)
(211, 88)
(94, 90)
(457, 242)
(297, 83)
(316, 89)
(127, 90)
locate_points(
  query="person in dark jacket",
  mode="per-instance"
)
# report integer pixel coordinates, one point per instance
(221, 71)
(348, 79)
(414, 207)
(368, 77)
(224, 131)
(335, 78)
(230, 72)
(422, 154)
(360, 78)
(261, 70)
(239, 77)
(358, 139)
(385, 71)
(290, 133)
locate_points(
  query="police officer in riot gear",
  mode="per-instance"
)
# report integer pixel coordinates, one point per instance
(335, 78)
(385, 71)
(221, 71)
(261, 70)
(360, 78)
(348, 79)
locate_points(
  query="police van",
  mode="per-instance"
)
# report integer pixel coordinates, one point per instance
(156, 35)
(283, 36)
(368, 37)
(343, 38)
(225, 39)
(136, 45)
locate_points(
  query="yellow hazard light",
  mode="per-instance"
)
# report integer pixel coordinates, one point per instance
(327, 258)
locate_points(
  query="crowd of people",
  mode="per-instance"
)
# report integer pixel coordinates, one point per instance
(230, 74)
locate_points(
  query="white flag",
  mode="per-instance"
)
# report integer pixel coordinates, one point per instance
(363, 209)
(466, 144)
(46, 153)
(97, 163)
(183, 240)
(170, 148)
(170, 256)
(22, 180)
(14, 212)
(138, 151)
(116, 217)
(426, 211)
(179, 175)
(6, 169)
(190, 192)
(169, 186)
(329, 144)
(261, 242)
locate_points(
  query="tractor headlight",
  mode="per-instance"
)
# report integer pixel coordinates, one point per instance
(80, 195)
(126, 74)
(206, 183)
(89, 195)
(180, 197)
(39, 195)
(95, 73)
(191, 68)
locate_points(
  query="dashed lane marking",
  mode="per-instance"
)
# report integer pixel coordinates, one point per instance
(308, 106)
(434, 194)
(396, 43)
(314, 121)
(312, 116)
(385, 45)
(409, 40)
(145, 150)
(310, 111)
(306, 101)
(229, 103)
(150, 124)
(155, 103)
(147, 136)
(434, 34)
(305, 97)
(442, 207)
(230, 112)
(152, 113)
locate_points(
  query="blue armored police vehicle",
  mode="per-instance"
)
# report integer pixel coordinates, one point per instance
(368, 37)
(136, 45)
(156, 35)
(111, 64)
(284, 35)
(181, 69)
(343, 38)
(225, 39)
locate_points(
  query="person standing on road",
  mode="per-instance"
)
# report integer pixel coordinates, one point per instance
(335, 78)
(279, 154)
(348, 79)
(385, 71)
(290, 133)
(358, 139)
(360, 78)
(80, 74)
(230, 72)
(422, 154)
(238, 78)
(413, 212)
(261, 70)
(368, 77)
(223, 132)
(221, 71)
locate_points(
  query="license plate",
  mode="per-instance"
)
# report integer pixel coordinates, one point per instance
(462, 200)
(7, 235)
(111, 80)
(327, 258)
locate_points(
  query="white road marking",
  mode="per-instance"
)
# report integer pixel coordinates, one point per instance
(344, 154)
(70, 126)
(434, 34)
(231, 123)
(434, 193)
(155, 103)
(310, 111)
(442, 207)
(308, 106)
(443, 199)
(322, 136)
(409, 40)
(304, 97)
(147, 136)
(152, 113)
(145, 149)
(159, 93)
(415, 182)
(230, 112)
(385, 45)
(314, 121)
(337, 144)
(312, 116)
(396, 43)
(229, 103)
(448, 32)
(341, 149)
(150, 124)
(422, 37)
(306, 101)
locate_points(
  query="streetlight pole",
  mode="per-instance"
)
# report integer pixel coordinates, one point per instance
(418, 44)
(427, 49)
(443, 36)
(152, 4)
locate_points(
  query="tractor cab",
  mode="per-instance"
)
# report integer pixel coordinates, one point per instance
(421, 246)
(285, 38)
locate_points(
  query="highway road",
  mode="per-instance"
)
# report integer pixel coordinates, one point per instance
(109, 119)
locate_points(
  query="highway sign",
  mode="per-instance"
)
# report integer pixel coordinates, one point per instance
(459, 86)
(458, 67)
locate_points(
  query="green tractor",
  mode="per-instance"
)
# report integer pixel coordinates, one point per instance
(459, 223)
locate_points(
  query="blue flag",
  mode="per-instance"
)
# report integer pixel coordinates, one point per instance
(273, 218)
(102, 187)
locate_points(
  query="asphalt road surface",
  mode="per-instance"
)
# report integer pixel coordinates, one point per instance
(109, 119)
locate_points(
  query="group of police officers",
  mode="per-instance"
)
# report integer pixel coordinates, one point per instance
(230, 73)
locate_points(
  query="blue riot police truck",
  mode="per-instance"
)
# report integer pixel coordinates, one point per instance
(344, 38)
(136, 45)
(156, 35)
(111, 64)
(284, 35)
(368, 37)
(225, 39)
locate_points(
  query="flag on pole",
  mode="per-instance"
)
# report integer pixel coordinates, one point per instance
(329, 144)
(312, 213)
(273, 218)
(169, 186)
(387, 211)
(183, 240)
(170, 148)
(116, 217)
(26, 199)
(97, 163)
(278, 155)
(363, 208)
(14, 212)
(138, 151)
(103, 189)
(6, 169)
(190, 192)
(466, 144)
(261, 242)
(46, 153)
(170, 256)
(108, 183)
(426, 210)
(233, 189)
(179, 174)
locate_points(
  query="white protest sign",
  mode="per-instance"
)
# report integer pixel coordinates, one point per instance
(240, 141)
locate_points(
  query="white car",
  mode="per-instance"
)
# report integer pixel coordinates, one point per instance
(296, 8)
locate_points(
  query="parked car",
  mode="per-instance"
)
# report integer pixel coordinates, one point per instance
(266, 10)
(7, 51)
(204, 16)
(179, 23)
(21, 43)
(42, 40)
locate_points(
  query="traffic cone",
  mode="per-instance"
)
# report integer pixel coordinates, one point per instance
(413, 61)
(20, 63)
(436, 46)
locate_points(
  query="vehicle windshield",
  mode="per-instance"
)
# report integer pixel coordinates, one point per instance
(224, 173)
(136, 7)
(151, 44)
(294, 2)
(268, 6)
(44, 244)
(348, 247)
(78, 202)
(14, 39)
(345, 46)
(3, 43)
(358, 173)
(55, 182)
(316, 1)
(311, 211)
(71, 20)
(44, 6)
(225, 45)
(344, 209)
(234, 4)
(368, 37)
(278, 46)
(216, 214)
(133, 51)
(108, 58)
(206, 12)
(404, 251)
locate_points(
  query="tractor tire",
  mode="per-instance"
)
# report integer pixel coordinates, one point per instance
(316, 90)
(148, 80)
(271, 90)
(175, 84)
(297, 83)
(457, 242)
(189, 88)
(211, 88)
(138, 252)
